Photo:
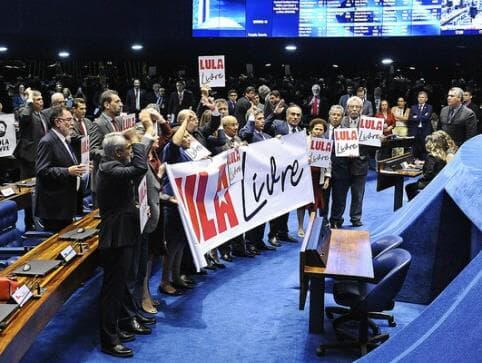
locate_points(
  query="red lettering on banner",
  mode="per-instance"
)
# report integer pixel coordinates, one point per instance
(224, 208)
(211, 64)
(208, 226)
(189, 188)
(346, 135)
(320, 145)
(371, 124)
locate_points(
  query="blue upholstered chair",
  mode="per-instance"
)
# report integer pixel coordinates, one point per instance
(385, 243)
(12, 242)
(362, 298)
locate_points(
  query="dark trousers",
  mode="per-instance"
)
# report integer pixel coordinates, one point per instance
(175, 241)
(339, 193)
(412, 190)
(419, 146)
(142, 268)
(114, 294)
(55, 225)
(255, 235)
(279, 226)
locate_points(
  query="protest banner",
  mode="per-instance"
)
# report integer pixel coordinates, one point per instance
(320, 152)
(143, 206)
(370, 131)
(212, 71)
(276, 180)
(346, 142)
(85, 152)
(197, 151)
(8, 140)
(129, 121)
(234, 165)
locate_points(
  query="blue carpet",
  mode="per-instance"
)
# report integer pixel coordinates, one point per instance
(245, 313)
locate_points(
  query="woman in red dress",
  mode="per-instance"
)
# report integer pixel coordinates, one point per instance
(386, 113)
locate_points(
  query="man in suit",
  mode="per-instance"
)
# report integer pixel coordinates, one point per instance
(314, 105)
(58, 171)
(456, 119)
(474, 107)
(344, 98)
(367, 108)
(275, 108)
(244, 104)
(420, 124)
(180, 99)
(57, 99)
(135, 98)
(279, 226)
(82, 124)
(232, 98)
(118, 239)
(158, 96)
(108, 121)
(349, 173)
(33, 126)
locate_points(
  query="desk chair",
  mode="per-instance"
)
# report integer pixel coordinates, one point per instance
(390, 270)
(379, 246)
(12, 242)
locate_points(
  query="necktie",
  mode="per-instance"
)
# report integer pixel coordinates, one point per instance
(138, 101)
(180, 98)
(293, 130)
(314, 106)
(82, 127)
(451, 114)
(114, 125)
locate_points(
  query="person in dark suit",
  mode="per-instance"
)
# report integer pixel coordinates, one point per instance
(253, 132)
(367, 108)
(420, 124)
(56, 99)
(33, 126)
(135, 98)
(456, 119)
(81, 126)
(232, 98)
(158, 96)
(349, 173)
(275, 108)
(279, 226)
(58, 171)
(118, 237)
(108, 121)
(181, 99)
(314, 106)
(243, 105)
(474, 107)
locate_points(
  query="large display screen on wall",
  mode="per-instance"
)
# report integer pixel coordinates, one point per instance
(335, 18)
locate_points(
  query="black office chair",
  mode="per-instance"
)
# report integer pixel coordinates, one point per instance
(378, 246)
(390, 270)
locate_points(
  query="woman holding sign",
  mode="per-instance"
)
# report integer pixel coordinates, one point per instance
(320, 176)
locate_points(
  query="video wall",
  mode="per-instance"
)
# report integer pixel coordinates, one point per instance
(335, 18)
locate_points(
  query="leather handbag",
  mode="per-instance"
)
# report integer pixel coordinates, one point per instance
(7, 288)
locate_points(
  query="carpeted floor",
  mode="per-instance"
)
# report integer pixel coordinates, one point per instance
(247, 312)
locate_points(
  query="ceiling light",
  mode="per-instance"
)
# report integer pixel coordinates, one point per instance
(136, 47)
(387, 61)
(64, 54)
(291, 48)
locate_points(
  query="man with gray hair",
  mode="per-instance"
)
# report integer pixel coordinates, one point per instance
(457, 120)
(57, 99)
(118, 239)
(349, 172)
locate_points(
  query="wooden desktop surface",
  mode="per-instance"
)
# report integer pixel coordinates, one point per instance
(60, 283)
(350, 255)
(23, 195)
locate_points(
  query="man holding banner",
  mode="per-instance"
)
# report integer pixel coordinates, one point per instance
(349, 172)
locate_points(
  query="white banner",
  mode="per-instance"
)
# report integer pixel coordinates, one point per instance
(346, 142)
(234, 165)
(320, 152)
(129, 121)
(276, 180)
(197, 151)
(8, 140)
(143, 205)
(370, 131)
(211, 71)
(85, 152)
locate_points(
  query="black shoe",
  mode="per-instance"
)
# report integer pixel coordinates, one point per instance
(227, 257)
(356, 223)
(287, 238)
(335, 225)
(145, 320)
(156, 303)
(126, 337)
(118, 350)
(188, 280)
(133, 326)
(252, 249)
(182, 285)
(263, 247)
(273, 241)
(169, 290)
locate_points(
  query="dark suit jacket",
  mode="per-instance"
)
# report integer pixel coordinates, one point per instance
(249, 134)
(153, 189)
(130, 106)
(56, 190)
(229, 144)
(345, 167)
(242, 107)
(231, 107)
(120, 216)
(279, 127)
(31, 131)
(161, 101)
(463, 125)
(174, 106)
(418, 115)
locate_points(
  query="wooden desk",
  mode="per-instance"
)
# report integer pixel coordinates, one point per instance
(23, 197)
(349, 256)
(397, 178)
(29, 320)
